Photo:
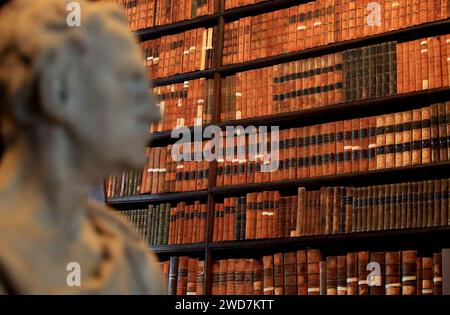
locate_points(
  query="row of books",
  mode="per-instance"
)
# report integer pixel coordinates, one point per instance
(161, 174)
(414, 137)
(322, 22)
(333, 210)
(362, 73)
(309, 272)
(184, 104)
(423, 64)
(164, 224)
(230, 4)
(149, 13)
(184, 275)
(179, 53)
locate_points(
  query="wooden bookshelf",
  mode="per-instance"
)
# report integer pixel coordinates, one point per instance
(422, 239)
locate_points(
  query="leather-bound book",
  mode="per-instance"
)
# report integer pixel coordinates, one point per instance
(243, 218)
(406, 138)
(233, 218)
(173, 275)
(355, 210)
(323, 277)
(363, 260)
(404, 205)
(340, 145)
(434, 133)
(182, 275)
(419, 276)
(444, 202)
(426, 135)
(265, 215)
(276, 214)
(270, 214)
(369, 212)
(268, 283)
(290, 273)
(347, 146)
(427, 276)
(166, 267)
(398, 139)
(342, 275)
(420, 195)
(393, 65)
(223, 269)
(364, 144)
(378, 279)
(248, 277)
(258, 277)
(239, 276)
(380, 206)
(437, 273)
(352, 273)
(230, 281)
(259, 215)
(390, 140)
(413, 199)
(393, 273)
(302, 273)
(329, 202)
(443, 154)
(429, 198)
(220, 172)
(221, 222)
(332, 275)
(226, 219)
(416, 154)
(381, 141)
(249, 216)
(355, 145)
(313, 259)
(278, 274)
(398, 206)
(409, 272)
(336, 210)
(192, 276)
(215, 277)
(437, 202)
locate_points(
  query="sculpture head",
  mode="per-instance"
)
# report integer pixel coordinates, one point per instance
(87, 82)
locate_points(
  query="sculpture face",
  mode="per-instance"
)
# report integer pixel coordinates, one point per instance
(117, 107)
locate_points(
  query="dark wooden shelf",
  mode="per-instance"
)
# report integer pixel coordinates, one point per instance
(142, 200)
(406, 34)
(178, 27)
(259, 8)
(434, 238)
(208, 73)
(367, 178)
(179, 249)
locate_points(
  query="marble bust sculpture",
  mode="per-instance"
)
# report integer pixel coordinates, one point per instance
(75, 106)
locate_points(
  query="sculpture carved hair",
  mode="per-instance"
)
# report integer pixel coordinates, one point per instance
(27, 36)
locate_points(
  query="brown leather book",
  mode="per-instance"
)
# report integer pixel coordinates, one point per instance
(259, 215)
(265, 215)
(182, 275)
(356, 145)
(258, 277)
(381, 141)
(339, 139)
(419, 276)
(192, 276)
(416, 157)
(437, 202)
(409, 272)
(378, 279)
(323, 277)
(363, 260)
(278, 273)
(268, 281)
(398, 139)
(249, 216)
(443, 154)
(393, 273)
(223, 268)
(390, 140)
(173, 275)
(437, 273)
(364, 144)
(239, 277)
(352, 273)
(426, 135)
(313, 259)
(215, 277)
(427, 276)
(166, 267)
(406, 138)
(444, 202)
(342, 275)
(332, 275)
(230, 283)
(302, 273)
(434, 133)
(290, 273)
(248, 277)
